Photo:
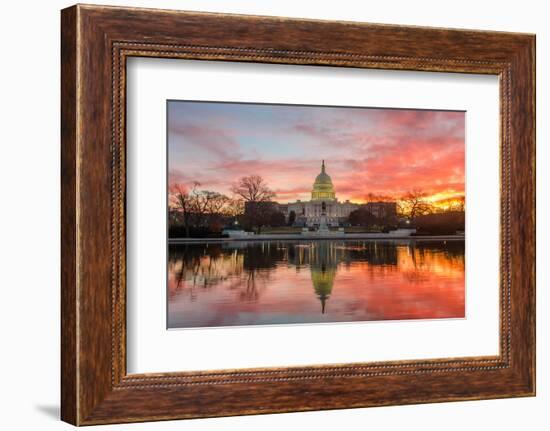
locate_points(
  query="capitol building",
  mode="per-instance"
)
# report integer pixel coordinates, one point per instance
(323, 202)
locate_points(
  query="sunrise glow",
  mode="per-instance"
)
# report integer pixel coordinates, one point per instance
(369, 152)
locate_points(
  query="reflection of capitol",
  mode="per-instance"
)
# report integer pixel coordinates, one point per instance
(323, 266)
(247, 271)
(324, 257)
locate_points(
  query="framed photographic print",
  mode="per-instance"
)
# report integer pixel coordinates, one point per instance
(260, 233)
(326, 214)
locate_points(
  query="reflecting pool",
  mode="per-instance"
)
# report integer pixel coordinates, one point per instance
(277, 282)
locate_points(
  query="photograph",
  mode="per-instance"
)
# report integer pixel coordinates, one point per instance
(303, 214)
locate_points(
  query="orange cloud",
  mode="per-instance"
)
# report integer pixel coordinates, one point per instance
(367, 151)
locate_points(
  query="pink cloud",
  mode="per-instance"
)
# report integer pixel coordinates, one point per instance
(381, 151)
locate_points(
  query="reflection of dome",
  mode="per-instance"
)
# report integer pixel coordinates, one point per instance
(323, 265)
(323, 279)
(322, 187)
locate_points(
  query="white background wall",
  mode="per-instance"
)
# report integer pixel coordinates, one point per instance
(29, 174)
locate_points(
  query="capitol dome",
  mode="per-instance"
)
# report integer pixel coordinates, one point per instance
(322, 187)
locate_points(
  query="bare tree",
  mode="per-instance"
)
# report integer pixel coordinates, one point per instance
(184, 201)
(217, 203)
(234, 207)
(253, 189)
(414, 204)
(208, 204)
(195, 206)
(203, 200)
(257, 197)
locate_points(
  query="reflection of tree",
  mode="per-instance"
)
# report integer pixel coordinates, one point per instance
(247, 268)
(453, 251)
(426, 258)
(254, 281)
(259, 261)
(197, 269)
(262, 255)
(375, 253)
(413, 270)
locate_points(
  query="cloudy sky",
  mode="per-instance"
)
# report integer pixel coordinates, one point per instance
(381, 151)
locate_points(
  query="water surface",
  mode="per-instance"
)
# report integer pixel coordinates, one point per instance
(278, 282)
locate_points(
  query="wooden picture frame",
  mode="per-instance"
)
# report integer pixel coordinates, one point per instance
(95, 43)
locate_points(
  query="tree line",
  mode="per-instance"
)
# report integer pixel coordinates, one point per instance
(196, 209)
(415, 204)
(201, 212)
